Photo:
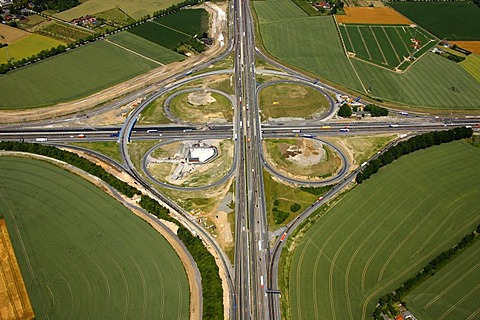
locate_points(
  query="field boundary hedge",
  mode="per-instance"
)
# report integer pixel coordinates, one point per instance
(413, 144)
(211, 283)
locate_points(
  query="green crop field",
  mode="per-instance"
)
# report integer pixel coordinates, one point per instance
(383, 232)
(146, 48)
(314, 45)
(159, 34)
(27, 46)
(453, 292)
(472, 65)
(193, 22)
(432, 82)
(82, 254)
(134, 8)
(457, 20)
(387, 46)
(71, 75)
(276, 11)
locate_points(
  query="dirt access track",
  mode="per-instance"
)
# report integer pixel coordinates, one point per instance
(217, 26)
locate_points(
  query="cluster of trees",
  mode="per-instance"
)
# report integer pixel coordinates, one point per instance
(41, 5)
(375, 110)
(194, 44)
(421, 141)
(74, 160)
(344, 111)
(386, 303)
(211, 282)
(453, 57)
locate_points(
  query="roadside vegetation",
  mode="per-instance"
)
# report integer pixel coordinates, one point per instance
(218, 110)
(110, 149)
(383, 232)
(287, 100)
(285, 202)
(303, 159)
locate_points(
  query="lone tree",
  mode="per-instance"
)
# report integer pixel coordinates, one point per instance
(344, 111)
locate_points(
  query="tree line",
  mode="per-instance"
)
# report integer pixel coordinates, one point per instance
(386, 304)
(211, 283)
(413, 144)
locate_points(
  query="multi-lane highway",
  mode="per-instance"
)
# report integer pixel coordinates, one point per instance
(252, 279)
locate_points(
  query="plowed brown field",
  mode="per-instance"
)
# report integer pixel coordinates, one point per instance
(376, 15)
(473, 46)
(14, 301)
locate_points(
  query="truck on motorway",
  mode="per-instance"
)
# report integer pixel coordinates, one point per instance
(403, 113)
(283, 236)
(114, 134)
(325, 127)
(152, 130)
(81, 135)
(41, 139)
(393, 125)
(261, 281)
(308, 135)
(296, 130)
(344, 130)
(364, 164)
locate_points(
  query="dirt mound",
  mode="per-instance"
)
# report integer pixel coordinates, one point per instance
(200, 98)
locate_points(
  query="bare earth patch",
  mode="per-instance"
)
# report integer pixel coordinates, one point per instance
(200, 98)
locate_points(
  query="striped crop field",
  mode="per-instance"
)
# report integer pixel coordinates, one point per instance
(453, 293)
(472, 65)
(433, 82)
(146, 48)
(383, 232)
(384, 45)
(314, 44)
(70, 75)
(82, 254)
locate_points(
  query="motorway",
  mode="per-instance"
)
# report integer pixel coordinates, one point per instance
(253, 278)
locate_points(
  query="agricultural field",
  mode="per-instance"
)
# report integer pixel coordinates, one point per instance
(431, 82)
(305, 159)
(115, 17)
(71, 75)
(10, 35)
(472, 65)
(98, 261)
(386, 46)
(27, 46)
(63, 31)
(453, 292)
(275, 11)
(472, 46)
(134, 8)
(146, 47)
(369, 15)
(457, 20)
(192, 21)
(383, 232)
(201, 107)
(14, 301)
(159, 34)
(291, 100)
